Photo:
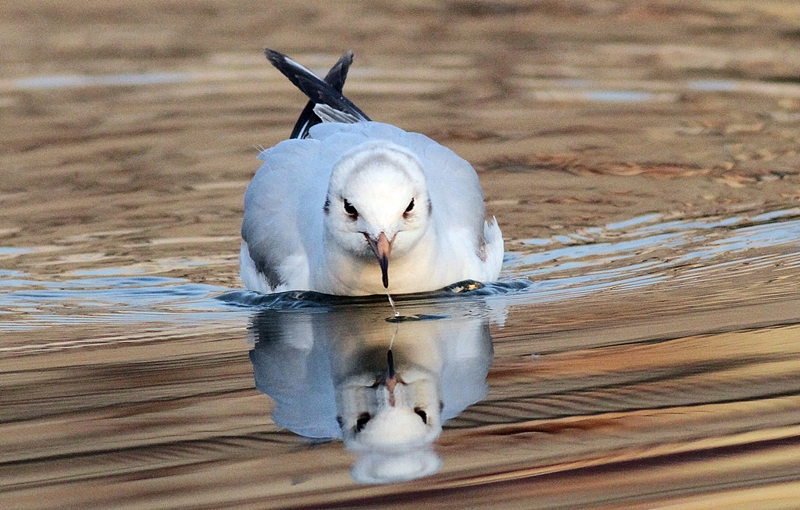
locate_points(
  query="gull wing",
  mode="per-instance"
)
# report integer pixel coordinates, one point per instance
(335, 78)
(320, 92)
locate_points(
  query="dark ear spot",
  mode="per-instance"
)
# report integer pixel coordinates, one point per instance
(327, 207)
(340, 421)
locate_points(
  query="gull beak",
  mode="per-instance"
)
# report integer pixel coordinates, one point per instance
(382, 248)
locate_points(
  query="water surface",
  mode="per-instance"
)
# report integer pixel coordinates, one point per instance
(641, 350)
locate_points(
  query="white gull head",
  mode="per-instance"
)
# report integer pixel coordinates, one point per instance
(377, 204)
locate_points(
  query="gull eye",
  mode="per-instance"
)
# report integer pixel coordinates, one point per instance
(422, 414)
(362, 421)
(410, 207)
(350, 210)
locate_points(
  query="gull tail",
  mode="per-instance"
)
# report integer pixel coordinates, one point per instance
(326, 102)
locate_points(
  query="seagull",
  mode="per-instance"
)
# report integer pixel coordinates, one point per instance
(348, 206)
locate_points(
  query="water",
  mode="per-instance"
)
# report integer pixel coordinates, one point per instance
(640, 349)
(580, 376)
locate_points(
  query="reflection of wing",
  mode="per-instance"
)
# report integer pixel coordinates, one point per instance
(466, 361)
(296, 372)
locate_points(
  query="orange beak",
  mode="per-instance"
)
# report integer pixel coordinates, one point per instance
(382, 248)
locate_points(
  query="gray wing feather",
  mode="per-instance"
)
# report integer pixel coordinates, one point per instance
(276, 221)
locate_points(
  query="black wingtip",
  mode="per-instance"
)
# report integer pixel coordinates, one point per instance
(338, 73)
(319, 91)
(335, 78)
(275, 58)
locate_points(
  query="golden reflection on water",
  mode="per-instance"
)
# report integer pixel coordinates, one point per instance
(641, 159)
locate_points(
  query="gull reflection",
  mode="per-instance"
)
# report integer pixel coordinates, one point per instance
(332, 375)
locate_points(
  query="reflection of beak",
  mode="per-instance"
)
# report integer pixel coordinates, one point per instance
(390, 363)
(391, 379)
(382, 248)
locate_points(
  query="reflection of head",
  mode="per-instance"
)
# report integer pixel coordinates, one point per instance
(391, 429)
(381, 413)
(324, 368)
(393, 445)
(378, 467)
(390, 420)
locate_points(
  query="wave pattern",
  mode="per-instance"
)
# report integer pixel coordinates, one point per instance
(585, 387)
(645, 331)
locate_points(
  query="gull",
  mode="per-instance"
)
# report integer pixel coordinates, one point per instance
(344, 199)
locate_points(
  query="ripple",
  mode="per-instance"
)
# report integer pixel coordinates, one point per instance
(642, 251)
(292, 300)
(80, 80)
(8, 250)
(35, 303)
(631, 254)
